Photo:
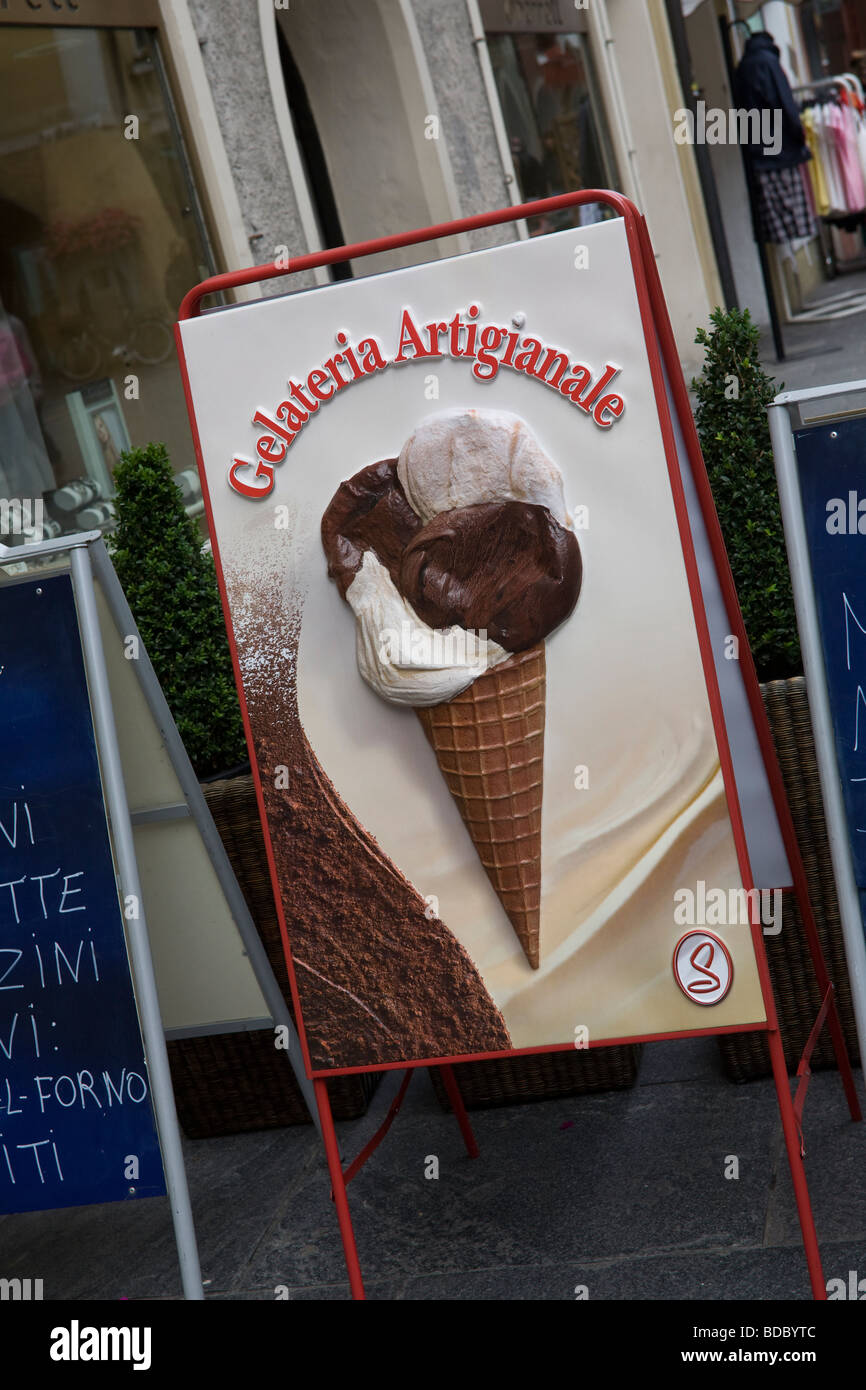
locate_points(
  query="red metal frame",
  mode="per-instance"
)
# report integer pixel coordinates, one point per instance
(191, 308)
(662, 357)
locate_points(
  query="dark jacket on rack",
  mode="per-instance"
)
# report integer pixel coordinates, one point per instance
(760, 84)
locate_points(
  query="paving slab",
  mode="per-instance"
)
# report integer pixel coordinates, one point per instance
(624, 1192)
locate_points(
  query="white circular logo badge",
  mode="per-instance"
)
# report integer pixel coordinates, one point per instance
(703, 968)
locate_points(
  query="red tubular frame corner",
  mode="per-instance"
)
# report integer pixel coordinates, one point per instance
(191, 304)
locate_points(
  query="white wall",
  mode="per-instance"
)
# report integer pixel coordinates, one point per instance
(781, 21)
(370, 96)
(653, 168)
(708, 66)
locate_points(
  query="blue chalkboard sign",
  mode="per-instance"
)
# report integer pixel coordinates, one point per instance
(76, 1121)
(831, 466)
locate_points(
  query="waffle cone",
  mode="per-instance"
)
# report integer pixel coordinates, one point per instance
(489, 743)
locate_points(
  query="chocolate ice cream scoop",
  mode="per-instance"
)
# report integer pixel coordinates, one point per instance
(368, 512)
(506, 567)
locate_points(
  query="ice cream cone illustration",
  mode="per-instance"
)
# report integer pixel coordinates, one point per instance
(458, 560)
(489, 743)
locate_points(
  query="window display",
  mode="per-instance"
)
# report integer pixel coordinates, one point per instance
(555, 123)
(100, 237)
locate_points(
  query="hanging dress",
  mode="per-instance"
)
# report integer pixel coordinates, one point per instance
(815, 169)
(848, 156)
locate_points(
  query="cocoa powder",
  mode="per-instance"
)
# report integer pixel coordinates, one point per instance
(378, 979)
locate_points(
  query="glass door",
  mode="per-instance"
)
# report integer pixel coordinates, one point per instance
(555, 120)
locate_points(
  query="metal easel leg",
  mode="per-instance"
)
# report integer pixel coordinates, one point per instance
(449, 1081)
(795, 1161)
(338, 1187)
(819, 965)
(161, 1090)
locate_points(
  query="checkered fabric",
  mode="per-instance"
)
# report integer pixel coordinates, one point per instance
(783, 209)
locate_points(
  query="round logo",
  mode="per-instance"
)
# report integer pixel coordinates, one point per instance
(703, 968)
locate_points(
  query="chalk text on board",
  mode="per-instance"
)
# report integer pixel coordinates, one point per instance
(73, 961)
(26, 901)
(74, 1089)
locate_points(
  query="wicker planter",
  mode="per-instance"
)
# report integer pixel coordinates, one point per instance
(746, 1055)
(541, 1076)
(227, 1083)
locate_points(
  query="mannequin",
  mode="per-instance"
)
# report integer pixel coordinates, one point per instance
(782, 209)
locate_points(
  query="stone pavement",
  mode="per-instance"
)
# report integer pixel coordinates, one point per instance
(623, 1192)
(820, 354)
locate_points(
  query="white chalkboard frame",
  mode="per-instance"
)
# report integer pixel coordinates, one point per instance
(141, 964)
(786, 413)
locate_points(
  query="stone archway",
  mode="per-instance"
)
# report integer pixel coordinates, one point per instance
(371, 97)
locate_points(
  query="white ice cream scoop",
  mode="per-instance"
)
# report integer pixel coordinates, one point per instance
(399, 656)
(458, 458)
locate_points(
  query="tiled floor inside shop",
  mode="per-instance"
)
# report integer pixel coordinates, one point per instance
(826, 351)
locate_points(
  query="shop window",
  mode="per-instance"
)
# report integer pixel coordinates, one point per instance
(555, 121)
(100, 238)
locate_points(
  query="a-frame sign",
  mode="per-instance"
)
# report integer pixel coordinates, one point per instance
(516, 782)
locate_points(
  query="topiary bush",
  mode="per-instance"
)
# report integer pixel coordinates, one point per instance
(172, 590)
(733, 392)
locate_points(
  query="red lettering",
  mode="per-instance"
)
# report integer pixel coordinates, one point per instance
(613, 403)
(527, 359)
(711, 981)
(509, 351)
(297, 394)
(609, 373)
(471, 313)
(246, 489)
(331, 365)
(267, 447)
(433, 330)
(370, 355)
(260, 418)
(409, 337)
(352, 360)
(315, 381)
(455, 325)
(551, 356)
(577, 383)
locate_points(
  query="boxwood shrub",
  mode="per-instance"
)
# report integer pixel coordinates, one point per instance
(733, 392)
(170, 584)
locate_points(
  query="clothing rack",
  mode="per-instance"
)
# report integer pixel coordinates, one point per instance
(819, 82)
(848, 81)
(839, 84)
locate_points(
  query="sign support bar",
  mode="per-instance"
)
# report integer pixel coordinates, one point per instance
(800, 566)
(139, 946)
